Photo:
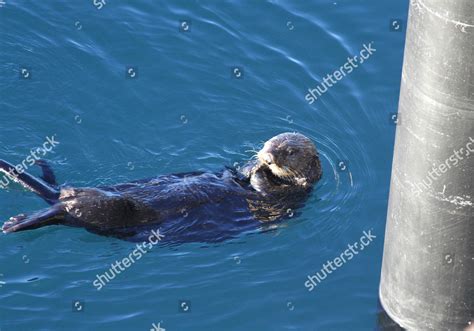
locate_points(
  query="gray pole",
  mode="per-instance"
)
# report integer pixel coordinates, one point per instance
(428, 265)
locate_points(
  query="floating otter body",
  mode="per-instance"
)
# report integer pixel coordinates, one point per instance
(196, 206)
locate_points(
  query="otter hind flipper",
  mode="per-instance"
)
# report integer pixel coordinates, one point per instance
(30, 182)
(50, 216)
(48, 174)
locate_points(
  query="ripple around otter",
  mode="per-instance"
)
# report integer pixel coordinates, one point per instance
(184, 112)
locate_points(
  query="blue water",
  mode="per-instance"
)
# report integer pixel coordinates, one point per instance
(185, 111)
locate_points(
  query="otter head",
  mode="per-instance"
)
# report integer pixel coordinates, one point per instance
(291, 159)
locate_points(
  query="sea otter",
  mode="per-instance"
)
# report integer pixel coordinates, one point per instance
(195, 206)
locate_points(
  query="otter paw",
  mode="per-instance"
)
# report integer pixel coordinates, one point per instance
(12, 221)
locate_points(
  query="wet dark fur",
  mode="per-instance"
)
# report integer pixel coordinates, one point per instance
(197, 206)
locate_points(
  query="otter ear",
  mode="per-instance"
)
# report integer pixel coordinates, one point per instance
(302, 181)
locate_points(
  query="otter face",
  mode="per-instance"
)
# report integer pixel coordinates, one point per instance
(292, 158)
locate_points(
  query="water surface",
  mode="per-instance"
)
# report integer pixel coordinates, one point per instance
(185, 110)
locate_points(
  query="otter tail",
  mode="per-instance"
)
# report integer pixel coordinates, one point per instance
(36, 185)
(50, 216)
(48, 174)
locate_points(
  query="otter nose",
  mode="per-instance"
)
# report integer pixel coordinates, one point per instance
(268, 158)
